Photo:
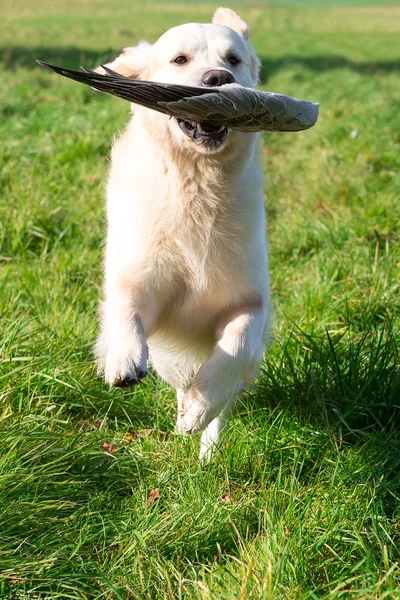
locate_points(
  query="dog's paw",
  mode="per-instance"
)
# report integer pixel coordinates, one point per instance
(179, 426)
(124, 381)
(125, 369)
(197, 412)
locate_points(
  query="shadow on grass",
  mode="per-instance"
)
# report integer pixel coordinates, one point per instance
(351, 380)
(12, 58)
(72, 57)
(348, 386)
(320, 64)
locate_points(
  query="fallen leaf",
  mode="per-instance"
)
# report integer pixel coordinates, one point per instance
(226, 499)
(321, 208)
(132, 434)
(107, 447)
(267, 151)
(153, 496)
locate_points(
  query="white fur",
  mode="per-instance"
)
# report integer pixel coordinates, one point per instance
(186, 261)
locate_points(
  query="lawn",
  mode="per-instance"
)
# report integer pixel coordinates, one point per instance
(98, 498)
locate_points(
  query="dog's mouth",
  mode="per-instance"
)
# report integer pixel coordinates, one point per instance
(207, 134)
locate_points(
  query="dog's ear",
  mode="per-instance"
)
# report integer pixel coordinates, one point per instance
(132, 63)
(226, 16)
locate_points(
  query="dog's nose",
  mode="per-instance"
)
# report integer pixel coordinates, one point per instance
(217, 77)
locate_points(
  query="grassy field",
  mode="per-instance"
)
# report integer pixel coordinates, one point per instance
(302, 499)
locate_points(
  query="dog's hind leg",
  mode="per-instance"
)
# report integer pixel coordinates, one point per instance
(235, 359)
(212, 433)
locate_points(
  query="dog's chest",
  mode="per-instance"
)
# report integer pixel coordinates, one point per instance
(194, 238)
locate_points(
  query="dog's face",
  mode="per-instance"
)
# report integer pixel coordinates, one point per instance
(197, 55)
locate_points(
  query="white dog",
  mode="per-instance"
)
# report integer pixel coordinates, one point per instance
(186, 279)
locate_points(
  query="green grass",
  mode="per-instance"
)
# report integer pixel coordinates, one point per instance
(302, 499)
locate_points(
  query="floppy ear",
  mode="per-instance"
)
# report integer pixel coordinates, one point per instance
(226, 16)
(132, 63)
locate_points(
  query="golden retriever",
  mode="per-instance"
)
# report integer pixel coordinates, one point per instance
(186, 277)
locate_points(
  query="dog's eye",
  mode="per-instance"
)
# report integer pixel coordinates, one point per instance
(180, 60)
(233, 60)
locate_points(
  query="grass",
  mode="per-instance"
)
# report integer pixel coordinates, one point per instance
(302, 499)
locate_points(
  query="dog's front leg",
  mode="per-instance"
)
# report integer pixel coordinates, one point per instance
(128, 317)
(235, 360)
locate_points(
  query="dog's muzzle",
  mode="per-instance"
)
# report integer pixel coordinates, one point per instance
(207, 134)
(204, 133)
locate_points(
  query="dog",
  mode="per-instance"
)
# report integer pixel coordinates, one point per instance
(186, 273)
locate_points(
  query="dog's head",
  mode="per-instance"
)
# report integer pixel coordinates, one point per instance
(198, 55)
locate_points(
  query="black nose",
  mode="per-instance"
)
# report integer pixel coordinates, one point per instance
(217, 77)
